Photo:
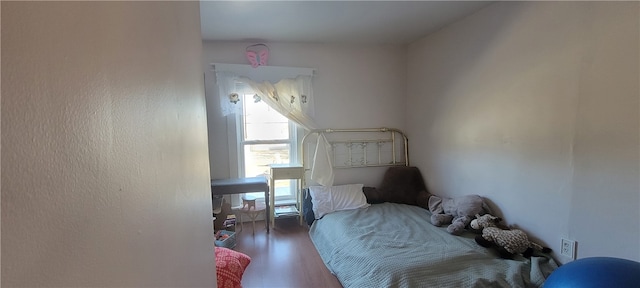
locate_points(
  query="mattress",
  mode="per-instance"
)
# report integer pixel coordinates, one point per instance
(395, 245)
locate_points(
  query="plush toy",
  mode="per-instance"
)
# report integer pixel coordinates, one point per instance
(457, 212)
(486, 220)
(508, 242)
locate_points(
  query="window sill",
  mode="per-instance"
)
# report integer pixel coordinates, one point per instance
(285, 202)
(278, 202)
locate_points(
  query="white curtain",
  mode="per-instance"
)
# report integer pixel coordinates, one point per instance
(290, 97)
(227, 88)
(293, 98)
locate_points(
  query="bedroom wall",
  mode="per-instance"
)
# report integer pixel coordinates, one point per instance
(535, 106)
(105, 175)
(355, 86)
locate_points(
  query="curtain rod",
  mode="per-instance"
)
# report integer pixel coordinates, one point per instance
(247, 69)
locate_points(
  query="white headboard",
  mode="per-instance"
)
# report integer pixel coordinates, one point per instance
(355, 148)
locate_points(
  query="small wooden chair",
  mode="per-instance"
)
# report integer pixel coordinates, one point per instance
(251, 209)
(248, 202)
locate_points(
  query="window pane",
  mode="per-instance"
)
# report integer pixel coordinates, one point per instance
(261, 122)
(283, 188)
(258, 157)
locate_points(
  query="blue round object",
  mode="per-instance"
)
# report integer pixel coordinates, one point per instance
(596, 272)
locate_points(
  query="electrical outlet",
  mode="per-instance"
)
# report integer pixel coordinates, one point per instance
(568, 248)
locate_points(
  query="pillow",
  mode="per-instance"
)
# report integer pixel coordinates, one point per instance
(230, 266)
(307, 208)
(400, 184)
(373, 195)
(336, 198)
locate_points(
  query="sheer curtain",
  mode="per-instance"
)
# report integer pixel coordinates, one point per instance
(291, 97)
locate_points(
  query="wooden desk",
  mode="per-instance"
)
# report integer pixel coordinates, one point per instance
(243, 185)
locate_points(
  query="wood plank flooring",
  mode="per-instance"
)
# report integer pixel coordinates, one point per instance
(283, 258)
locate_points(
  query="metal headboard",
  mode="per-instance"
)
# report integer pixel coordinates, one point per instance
(368, 147)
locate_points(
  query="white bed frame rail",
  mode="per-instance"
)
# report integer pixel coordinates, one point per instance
(355, 148)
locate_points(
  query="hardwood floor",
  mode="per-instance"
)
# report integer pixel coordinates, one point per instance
(285, 257)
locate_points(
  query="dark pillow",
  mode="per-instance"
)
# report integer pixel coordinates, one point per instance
(400, 184)
(372, 194)
(307, 207)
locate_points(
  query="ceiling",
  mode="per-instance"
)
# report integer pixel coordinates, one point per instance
(363, 22)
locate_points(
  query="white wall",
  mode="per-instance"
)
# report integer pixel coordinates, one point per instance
(105, 176)
(355, 86)
(535, 106)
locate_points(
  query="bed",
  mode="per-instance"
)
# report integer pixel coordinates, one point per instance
(390, 242)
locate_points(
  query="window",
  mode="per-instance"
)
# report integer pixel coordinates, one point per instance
(257, 135)
(265, 137)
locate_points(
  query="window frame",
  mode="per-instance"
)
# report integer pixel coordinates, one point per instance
(237, 157)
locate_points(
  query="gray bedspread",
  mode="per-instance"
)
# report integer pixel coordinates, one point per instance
(395, 245)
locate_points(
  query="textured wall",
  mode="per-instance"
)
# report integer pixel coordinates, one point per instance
(535, 105)
(105, 175)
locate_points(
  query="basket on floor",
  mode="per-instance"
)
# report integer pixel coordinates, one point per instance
(226, 239)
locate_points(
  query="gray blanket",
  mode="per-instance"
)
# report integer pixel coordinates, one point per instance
(395, 245)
